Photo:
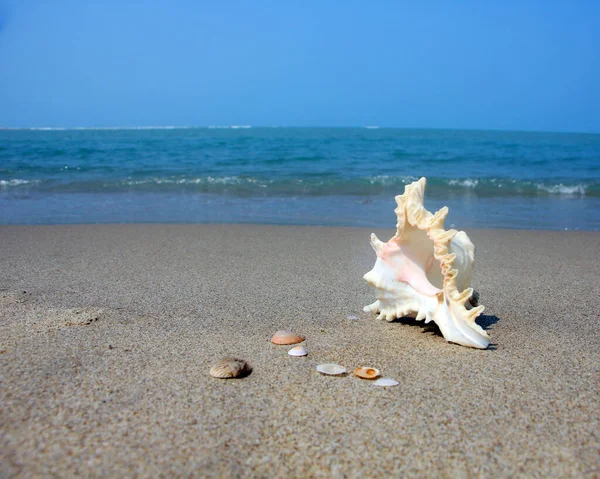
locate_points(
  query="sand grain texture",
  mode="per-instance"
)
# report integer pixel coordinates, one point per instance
(107, 334)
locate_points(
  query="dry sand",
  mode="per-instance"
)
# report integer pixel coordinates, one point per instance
(107, 334)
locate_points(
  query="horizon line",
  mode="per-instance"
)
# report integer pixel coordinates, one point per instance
(247, 127)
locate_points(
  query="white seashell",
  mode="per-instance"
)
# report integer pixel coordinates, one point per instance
(331, 369)
(230, 368)
(425, 272)
(386, 382)
(298, 351)
(351, 316)
(367, 373)
(286, 337)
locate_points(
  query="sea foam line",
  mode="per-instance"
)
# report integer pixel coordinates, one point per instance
(18, 182)
(561, 189)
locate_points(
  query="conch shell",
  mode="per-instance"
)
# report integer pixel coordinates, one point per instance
(425, 272)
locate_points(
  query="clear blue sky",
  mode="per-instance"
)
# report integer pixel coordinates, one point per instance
(525, 65)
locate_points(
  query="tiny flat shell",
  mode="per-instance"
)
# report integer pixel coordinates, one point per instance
(286, 337)
(367, 373)
(332, 369)
(298, 351)
(386, 382)
(230, 368)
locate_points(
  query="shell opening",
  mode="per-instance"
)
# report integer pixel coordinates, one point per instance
(418, 248)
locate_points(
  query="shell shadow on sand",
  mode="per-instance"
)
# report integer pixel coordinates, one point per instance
(486, 321)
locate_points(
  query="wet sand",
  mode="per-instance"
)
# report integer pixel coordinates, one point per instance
(107, 334)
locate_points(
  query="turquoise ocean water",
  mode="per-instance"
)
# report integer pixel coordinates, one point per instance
(315, 176)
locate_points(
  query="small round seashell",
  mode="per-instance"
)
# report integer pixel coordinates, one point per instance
(367, 373)
(298, 351)
(331, 369)
(386, 382)
(230, 368)
(286, 337)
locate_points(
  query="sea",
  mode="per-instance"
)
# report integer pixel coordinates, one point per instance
(298, 176)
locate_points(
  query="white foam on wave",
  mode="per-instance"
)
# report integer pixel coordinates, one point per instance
(223, 180)
(225, 127)
(390, 180)
(560, 189)
(17, 182)
(466, 183)
(226, 180)
(166, 127)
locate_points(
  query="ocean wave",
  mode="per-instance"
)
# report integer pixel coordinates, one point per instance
(560, 189)
(232, 127)
(18, 182)
(326, 184)
(466, 183)
(499, 186)
(389, 180)
(222, 180)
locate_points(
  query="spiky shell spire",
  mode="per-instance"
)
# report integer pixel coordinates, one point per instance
(425, 272)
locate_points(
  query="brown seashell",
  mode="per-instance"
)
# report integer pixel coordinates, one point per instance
(230, 368)
(367, 373)
(286, 337)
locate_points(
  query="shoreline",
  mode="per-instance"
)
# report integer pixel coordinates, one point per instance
(108, 333)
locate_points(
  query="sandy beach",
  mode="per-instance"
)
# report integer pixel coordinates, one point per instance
(107, 334)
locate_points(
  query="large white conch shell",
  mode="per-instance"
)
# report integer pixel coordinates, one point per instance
(425, 272)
